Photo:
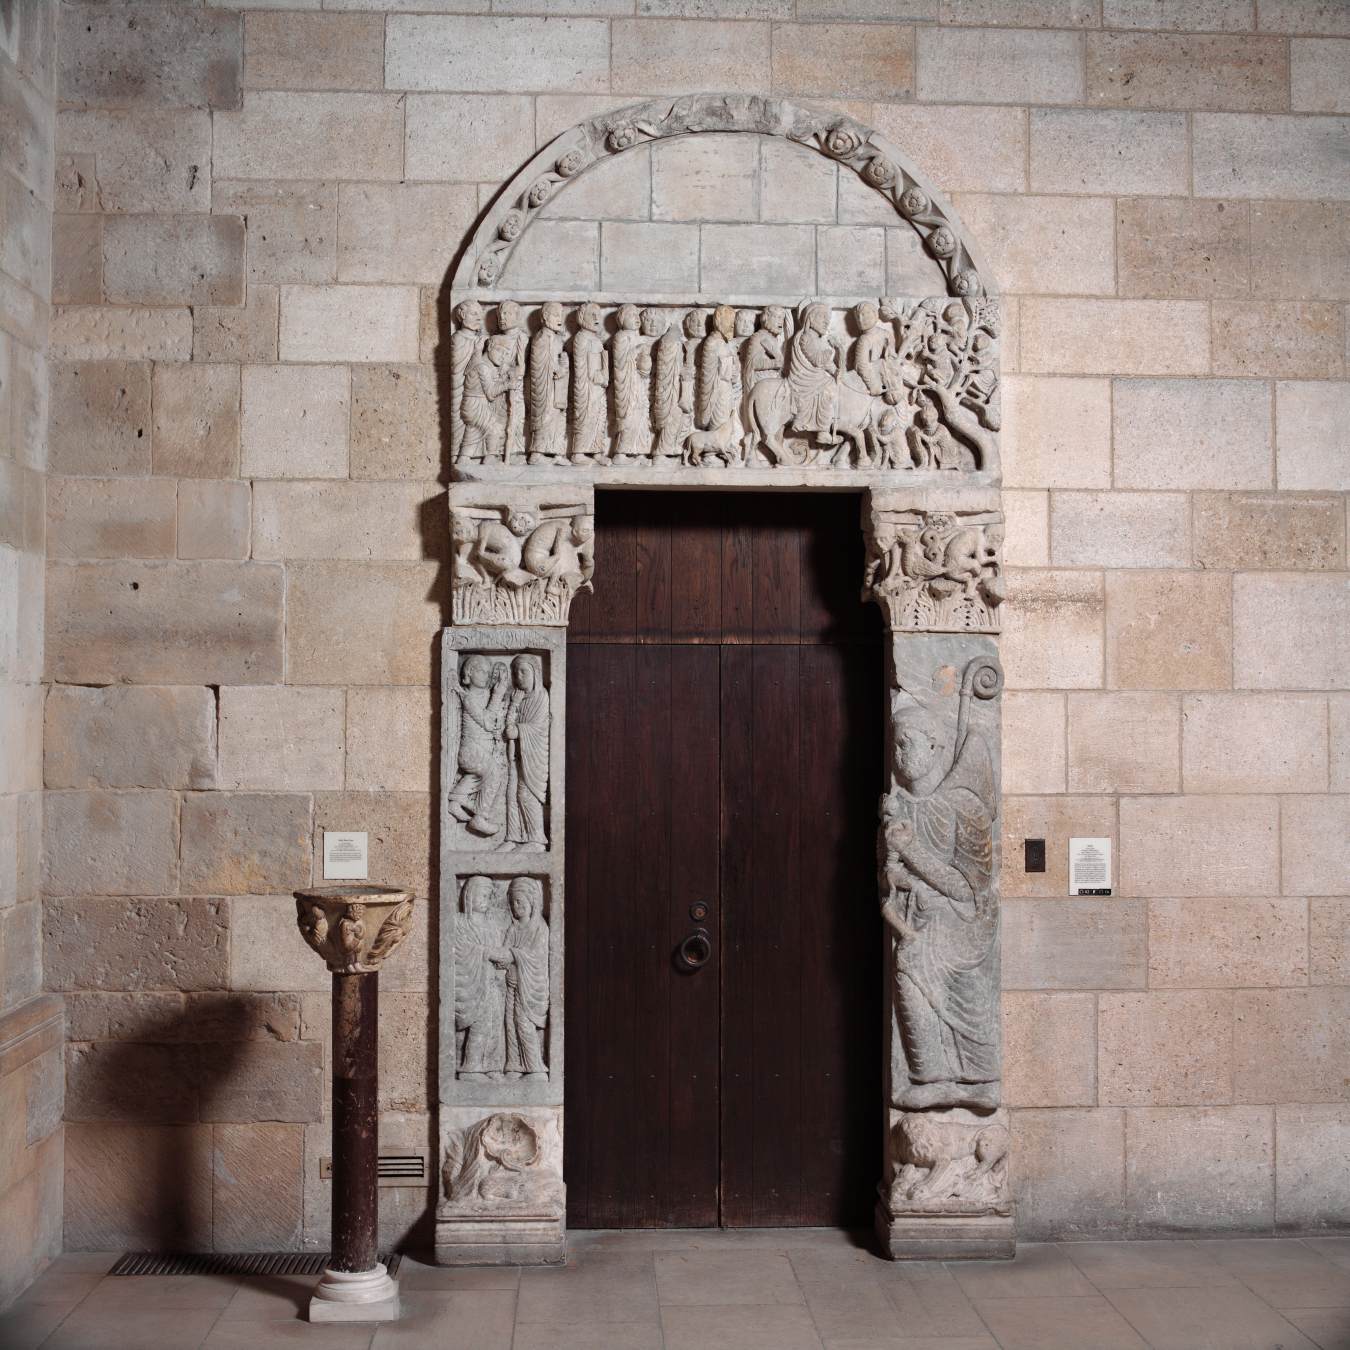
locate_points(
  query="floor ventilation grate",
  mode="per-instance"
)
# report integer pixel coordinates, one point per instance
(231, 1263)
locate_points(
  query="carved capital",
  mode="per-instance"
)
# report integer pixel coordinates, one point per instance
(354, 928)
(520, 554)
(935, 561)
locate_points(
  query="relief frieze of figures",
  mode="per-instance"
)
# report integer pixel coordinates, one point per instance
(884, 385)
(501, 980)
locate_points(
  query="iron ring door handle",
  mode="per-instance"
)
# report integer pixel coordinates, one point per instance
(695, 951)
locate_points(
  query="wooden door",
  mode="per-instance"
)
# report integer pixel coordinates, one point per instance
(724, 740)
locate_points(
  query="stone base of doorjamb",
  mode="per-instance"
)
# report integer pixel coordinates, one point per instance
(355, 1296)
(946, 1237)
(495, 1240)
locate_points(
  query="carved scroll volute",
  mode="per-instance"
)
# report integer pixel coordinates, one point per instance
(935, 560)
(519, 553)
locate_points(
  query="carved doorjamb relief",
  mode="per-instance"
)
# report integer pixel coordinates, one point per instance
(554, 395)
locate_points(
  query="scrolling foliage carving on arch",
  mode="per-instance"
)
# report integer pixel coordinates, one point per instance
(841, 139)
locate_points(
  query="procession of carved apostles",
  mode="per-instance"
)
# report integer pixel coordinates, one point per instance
(883, 385)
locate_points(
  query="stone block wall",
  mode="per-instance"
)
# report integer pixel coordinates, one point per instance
(256, 210)
(30, 1025)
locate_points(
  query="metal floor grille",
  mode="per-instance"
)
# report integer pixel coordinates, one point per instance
(232, 1263)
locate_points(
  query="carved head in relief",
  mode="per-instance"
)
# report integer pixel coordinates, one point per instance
(653, 323)
(588, 316)
(724, 321)
(695, 323)
(583, 529)
(926, 414)
(476, 672)
(525, 673)
(628, 317)
(817, 318)
(745, 322)
(916, 745)
(469, 314)
(551, 316)
(526, 898)
(773, 320)
(478, 895)
(865, 316)
(957, 320)
(509, 316)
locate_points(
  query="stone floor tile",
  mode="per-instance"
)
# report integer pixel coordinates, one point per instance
(1328, 1328)
(140, 1292)
(1262, 1256)
(471, 1319)
(985, 1342)
(264, 1335)
(1301, 1289)
(57, 1285)
(600, 1290)
(1206, 1319)
(739, 1327)
(590, 1336)
(1334, 1249)
(846, 1308)
(270, 1298)
(1041, 1270)
(927, 1300)
(419, 1275)
(1058, 1324)
(812, 1265)
(710, 1278)
(1146, 1265)
(86, 1263)
(26, 1325)
(147, 1328)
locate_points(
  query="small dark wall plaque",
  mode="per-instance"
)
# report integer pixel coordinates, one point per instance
(1034, 854)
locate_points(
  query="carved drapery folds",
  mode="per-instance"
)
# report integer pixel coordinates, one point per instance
(499, 1164)
(891, 385)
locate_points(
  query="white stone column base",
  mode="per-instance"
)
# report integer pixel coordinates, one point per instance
(946, 1237)
(500, 1240)
(355, 1296)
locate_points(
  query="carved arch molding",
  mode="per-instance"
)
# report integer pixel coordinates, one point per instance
(553, 395)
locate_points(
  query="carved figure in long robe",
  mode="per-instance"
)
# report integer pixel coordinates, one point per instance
(695, 329)
(511, 326)
(478, 793)
(527, 732)
(813, 363)
(873, 356)
(667, 376)
(588, 417)
(547, 370)
(931, 444)
(465, 343)
(480, 985)
(627, 390)
(938, 846)
(487, 382)
(524, 956)
(719, 391)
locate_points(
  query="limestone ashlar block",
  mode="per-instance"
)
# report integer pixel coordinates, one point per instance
(1199, 1169)
(399, 826)
(619, 187)
(402, 231)
(1339, 725)
(1315, 845)
(196, 420)
(1126, 741)
(1044, 245)
(556, 255)
(395, 423)
(798, 186)
(20, 954)
(1168, 630)
(653, 254)
(245, 843)
(120, 333)
(403, 1045)
(1052, 630)
(1056, 432)
(286, 135)
(1310, 434)
(457, 138)
(256, 1187)
(1323, 17)
(213, 519)
(1291, 630)
(776, 259)
(963, 147)
(135, 945)
(237, 333)
(1254, 743)
(1115, 337)
(1176, 248)
(1049, 1045)
(1171, 71)
(1056, 819)
(1171, 1048)
(281, 739)
(111, 518)
(100, 421)
(77, 259)
(120, 55)
(143, 1187)
(1289, 1045)
(1227, 943)
(1329, 940)
(1302, 247)
(1113, 153)
(687, 56)
(1070, 1165)
(1026, 541)
(164, 622)
(709, 177)
(1243, 531)
(124, 1080)
(295, 421)
(462, 52)
(1080, 943)
(165, 1017)
(255, 1081)
(363, 623)
(349, 323)
(391, 739)
(173, 260)
(1263, 155)
(967, 65)
(1216, 846)
(1209, 16)
(266, 951)
(313, 51)
(21, 735)
(110, 843)
(1033, 742)
(392, 521)
(1285, 338)
(810, 59)
(1119, 529)
(118, 160)
(1312, 1167)
(292, 228)
(127, 736)
(1020, 13)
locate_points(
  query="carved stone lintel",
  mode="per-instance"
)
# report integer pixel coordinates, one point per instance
(520, 554)
(935, 566)
(354, 928)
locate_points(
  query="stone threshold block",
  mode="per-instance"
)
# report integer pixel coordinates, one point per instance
(981, 1237)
